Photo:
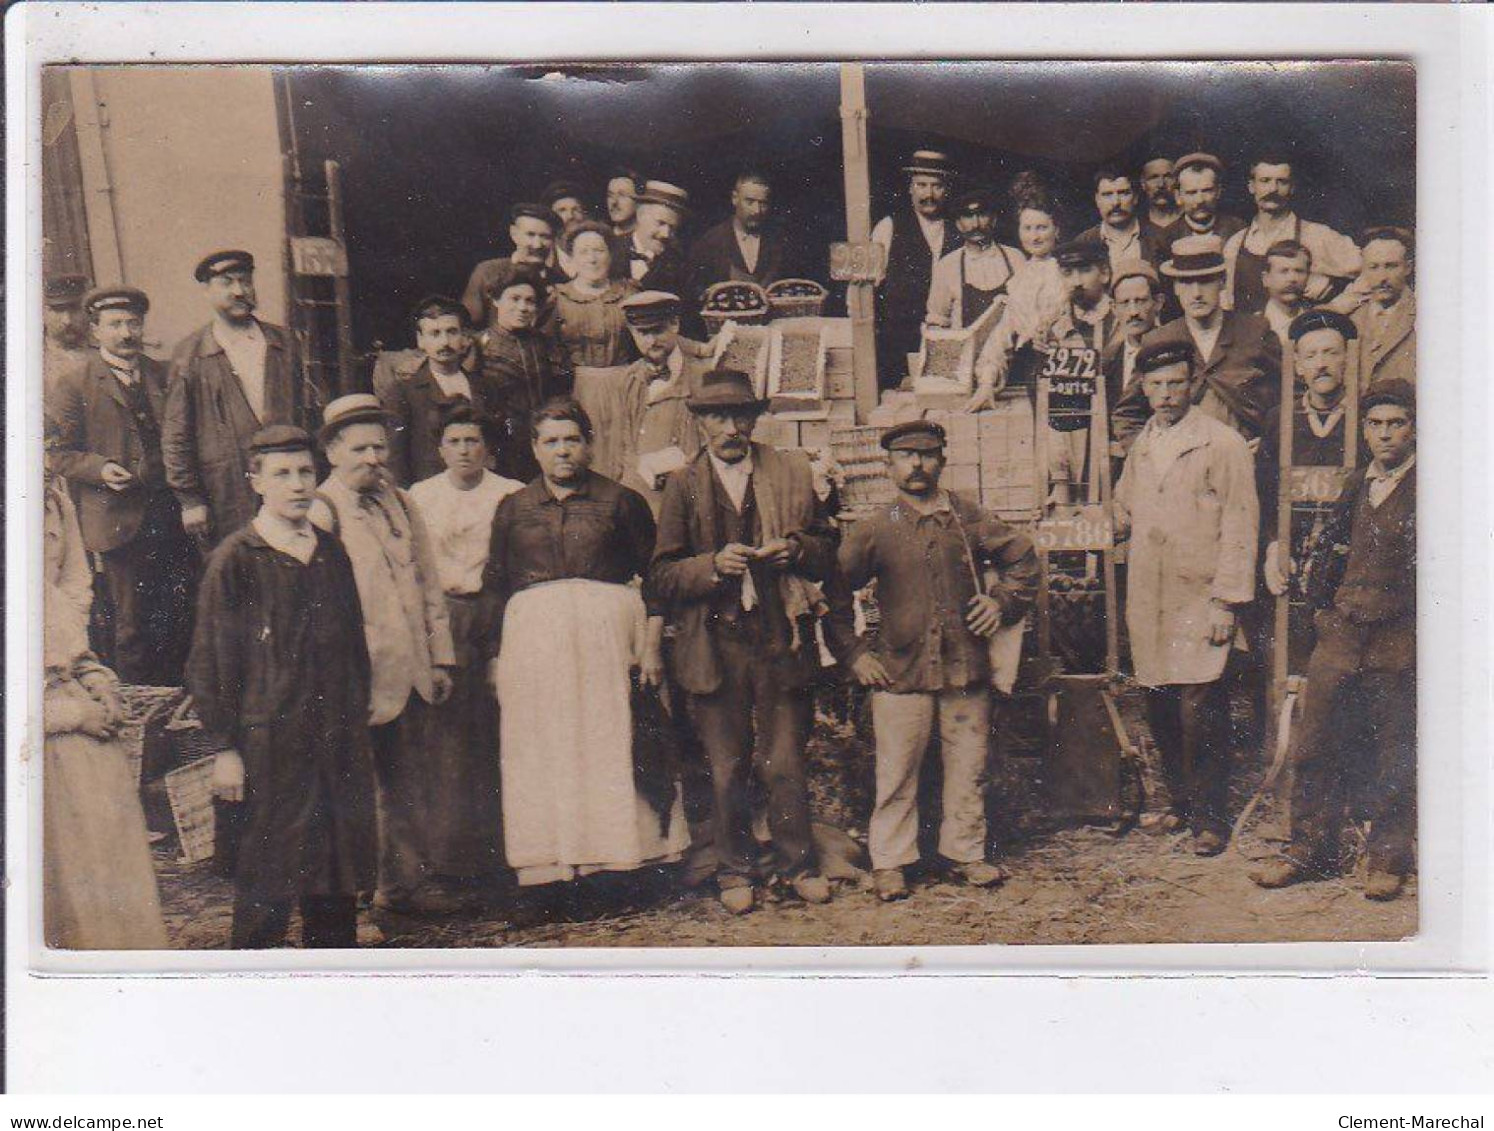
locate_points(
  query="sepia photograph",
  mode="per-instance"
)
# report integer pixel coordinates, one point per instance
(753, 504)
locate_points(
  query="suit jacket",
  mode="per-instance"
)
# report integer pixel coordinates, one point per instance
(667, 272)
(416, 402)
(717, 257)
(1152, 248)
(1240, 384)
(1387, 348)
(208, 423)
(98, 427)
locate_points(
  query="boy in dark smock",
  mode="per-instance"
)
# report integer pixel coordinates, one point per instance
(279, 673)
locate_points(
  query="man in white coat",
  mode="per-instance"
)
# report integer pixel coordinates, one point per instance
(1189, 500)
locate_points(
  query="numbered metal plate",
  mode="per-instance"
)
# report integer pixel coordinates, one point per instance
(317, 255)
(1073, 376)
(1318, 484)
(1084, 528)
(858, 262)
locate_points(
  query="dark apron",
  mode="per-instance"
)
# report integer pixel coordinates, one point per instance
(1250, 289)
(973, 301)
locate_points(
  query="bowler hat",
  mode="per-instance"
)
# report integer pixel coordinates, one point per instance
(355, 408)
(1392, 390)
(914, 436)
(101, 299)
(1311, 320)
(222, 262)
(722, 390)
(64, 291)
(280, 438)
(930, 162)
(1195, 257)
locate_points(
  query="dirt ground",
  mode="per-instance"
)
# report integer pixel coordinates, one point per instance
(1067, 885)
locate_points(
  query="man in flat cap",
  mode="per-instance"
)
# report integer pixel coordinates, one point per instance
(1119, 228)
(409, 637)
(916, 238)
(745, 554)
(1159, 186)
(650, 254)
(1238, 376)
(416, 400)
(279, 676)
(1187, 497)
(66, 328)
(949, 577)
(748, 247)
(228, 380)
(1387, 319)
(533, 228)
(109, 414)
(1333, 257)
(1200, 186)
(623, 187)
(968, 280)
(1361, 578)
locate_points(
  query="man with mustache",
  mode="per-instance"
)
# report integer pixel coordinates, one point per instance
(915, 238)
(417, 401)
(948, 576)
(533, 228)
(967, 281)
(1119, 229)
(747, 247)
(1387, 319)
(650, 254)
(1335, 258)
(622, 199)
(108, 414)
(1200, 186)
(1288, 266)
(1136, 295)
(1160, 185)
(228, 380)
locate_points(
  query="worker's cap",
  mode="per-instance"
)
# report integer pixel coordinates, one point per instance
(1159, 355)
(1195, 257)
(651, 308)
(977, 202)
(1086, 251)
(63, 291)
(540, 212)
(280, 438)
(662, 192)
(116, 298)
(914, 436)
(725, 390)
(1135, 269)
(1198, 161)
(1392, 390)
(1311, 320)
(355, 408)
(221, 263)
(930, 163)
(562, 190)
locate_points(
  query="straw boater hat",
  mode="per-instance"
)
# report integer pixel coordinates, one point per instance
(355, 408)
(723, 390)
(930, 162)
(662, 192)
(1195, 257)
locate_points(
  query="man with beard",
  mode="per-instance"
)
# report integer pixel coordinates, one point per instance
(745, 248)
(108, 413)
(915, 239)
(1160, 185)
(622, 199)
(1335, 259)
(650, 254)
(228, 380)
(1237, 378)
(533, 229)
(66, 329)
(1387, 320)
(1121, 232)
(968, 280)
(1199, 177)
(928, 551)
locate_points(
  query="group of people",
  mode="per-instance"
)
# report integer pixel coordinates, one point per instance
(517, 610)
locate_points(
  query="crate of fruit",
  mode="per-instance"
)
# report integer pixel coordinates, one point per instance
(797, 298)
(741, 302)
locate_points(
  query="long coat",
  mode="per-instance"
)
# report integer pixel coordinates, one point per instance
(1387, 349)
(1193, 526)
(279, 672)
(208, 423)
(98, 427)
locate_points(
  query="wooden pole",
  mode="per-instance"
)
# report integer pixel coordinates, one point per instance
(340, 282)
(1281, 657)
(860, 296)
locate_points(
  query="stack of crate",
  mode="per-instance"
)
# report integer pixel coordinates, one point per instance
(961, 451)
(1006, 454)
(857, 451)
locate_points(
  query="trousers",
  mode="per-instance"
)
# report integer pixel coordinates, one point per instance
(904, 723)
(1364, 674)
(151, 581)
(403, 786)
(327, 922)
(1190, 725)
(752, 722)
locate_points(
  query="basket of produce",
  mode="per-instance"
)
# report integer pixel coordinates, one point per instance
(797, 298)
(743, 303)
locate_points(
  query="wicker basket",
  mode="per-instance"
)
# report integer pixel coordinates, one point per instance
(755, 314)
(797, 305)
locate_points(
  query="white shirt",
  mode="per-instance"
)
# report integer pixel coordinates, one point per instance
(125, 371)
(749, 244)
(674, 365)
(1280, 319)
(1334, 255)
(456, 385)
(1381, 483)
(985, 270)
(461, 525)
(1206, 337)
(297, 541)
(933, 233)
(1122, 243)
(246, 355)
(735, 477)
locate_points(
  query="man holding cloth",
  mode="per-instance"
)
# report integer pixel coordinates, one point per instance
(949, 578)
